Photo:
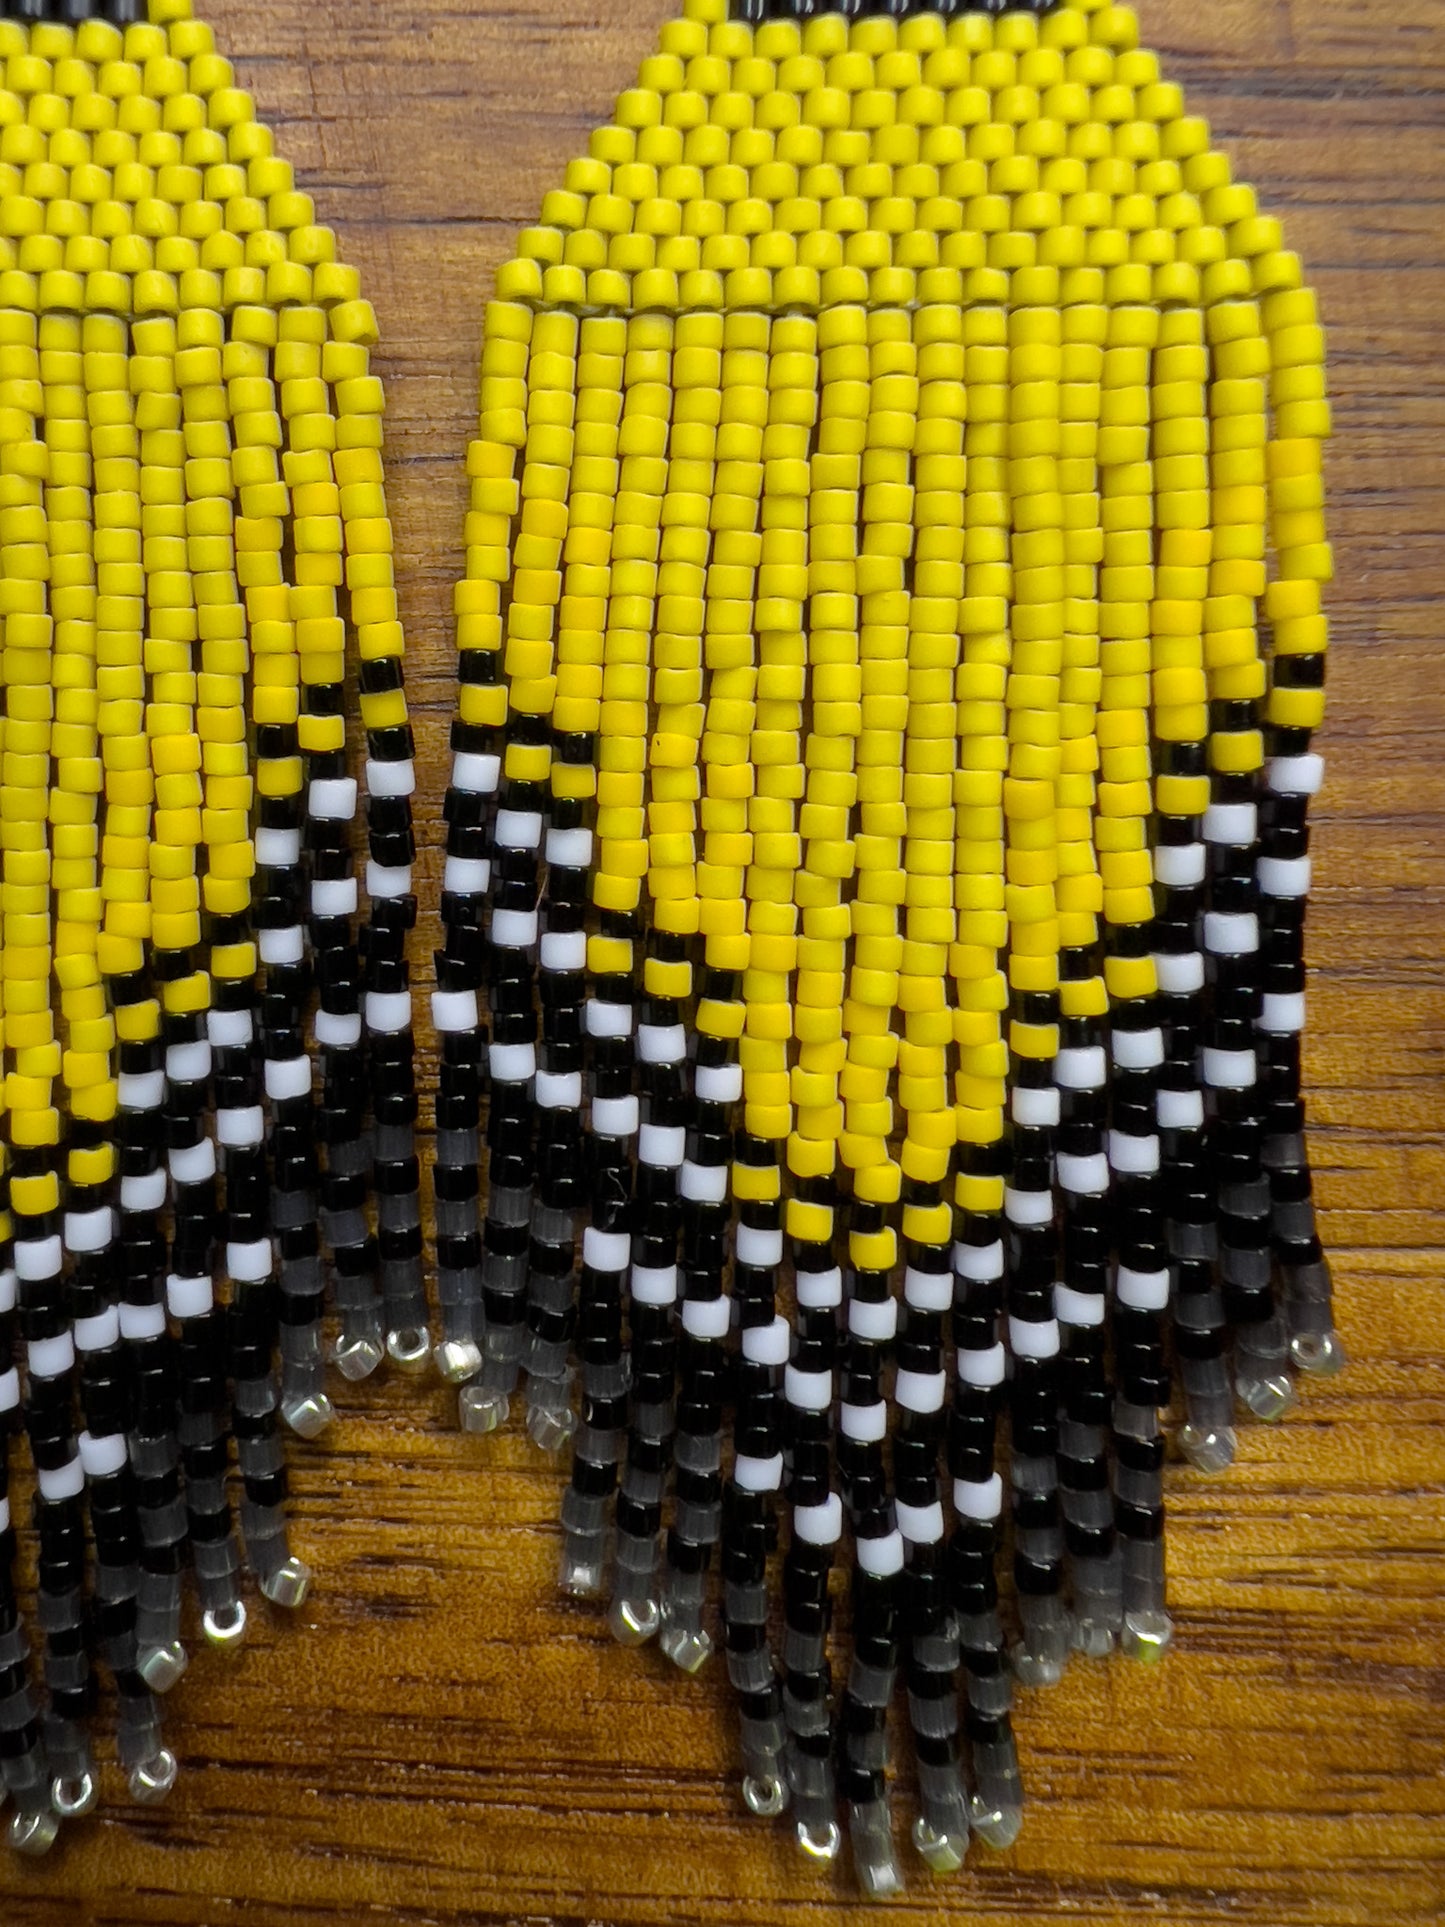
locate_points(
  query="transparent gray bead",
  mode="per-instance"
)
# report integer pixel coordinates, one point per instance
(161, 1666)
(581, 1570)
(632, 1621)
(874, 1860)
(1208, 1449)
(32, 1831)
(288, 1584)
(480, 1410)
(307, 1413)
(73, 1796)
(409, 1347)
(766, 1795)
(1043, 1650)
(941, 1853)
(458, 1359)
(1319, 1353)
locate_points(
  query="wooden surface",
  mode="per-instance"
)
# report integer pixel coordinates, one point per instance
(440, 1740)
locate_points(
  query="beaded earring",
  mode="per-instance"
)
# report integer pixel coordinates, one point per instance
(882, 759)
(193, 532)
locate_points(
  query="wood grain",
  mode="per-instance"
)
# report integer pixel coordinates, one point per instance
(441, 1740)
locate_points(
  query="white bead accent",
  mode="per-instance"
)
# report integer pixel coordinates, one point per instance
(661, 1043)
(654, 1284)
(563, 950)
(919, 1391)
(718, 1083)
(332, 798)
(334, 897)
(1082, 1067)
(62, 1481)
(614, 1116)
(476, 772)
(978, 1498)
(1137, 1050)
(1035, 1110)
(819, 1525)
(559, 1090)
(282, 946)
(1028, 1339)
(921, 1525)
(519, 829)
(767, 1344)
(928, 1290)
(881, 1557)
(808, 1391)
(1231, 933)
(1028, 1207)
(707, 1317)
(606, 1250)
(512, 1063)
(864, 1423)
(981, 1367)
(9, 1391)
(1180, 1110)
(1179, 866)
(278, 849)
(454, 1010)
(146, 1192)
(467, 876)
(9, 1290)
(1282, 1011)
(1295, 775)
(819, 1290)
(662, 1145)
(569, 849)
(514, 929)
(1229, 1070)
(703, 1183)
(37, 1258)
(249, 1263)
(287, 1077)
(390, 779)
(1078, 1307)
(142, 1321)
(229, 1029)
(608, 1020)
(1142, 1290)
(188, 1063)
(1133, 1155)
(50, 1357)
(245, 1125)
(758, 1475)
(387, 879)
(189, 1297)
(758, 1247)
(195, 1164)
(1234, 823)
(979, 1263)
(877, 1322)
(1179, 976)
(141, 1090)
(388, 1010)
(89, 1230)
(102, 1458)
(1086, 1176)
(1281, 876)
(338, 1028)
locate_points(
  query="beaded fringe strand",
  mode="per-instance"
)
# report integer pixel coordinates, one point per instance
(192, 519)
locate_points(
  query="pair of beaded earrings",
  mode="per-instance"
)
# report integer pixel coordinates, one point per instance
(881, 763)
